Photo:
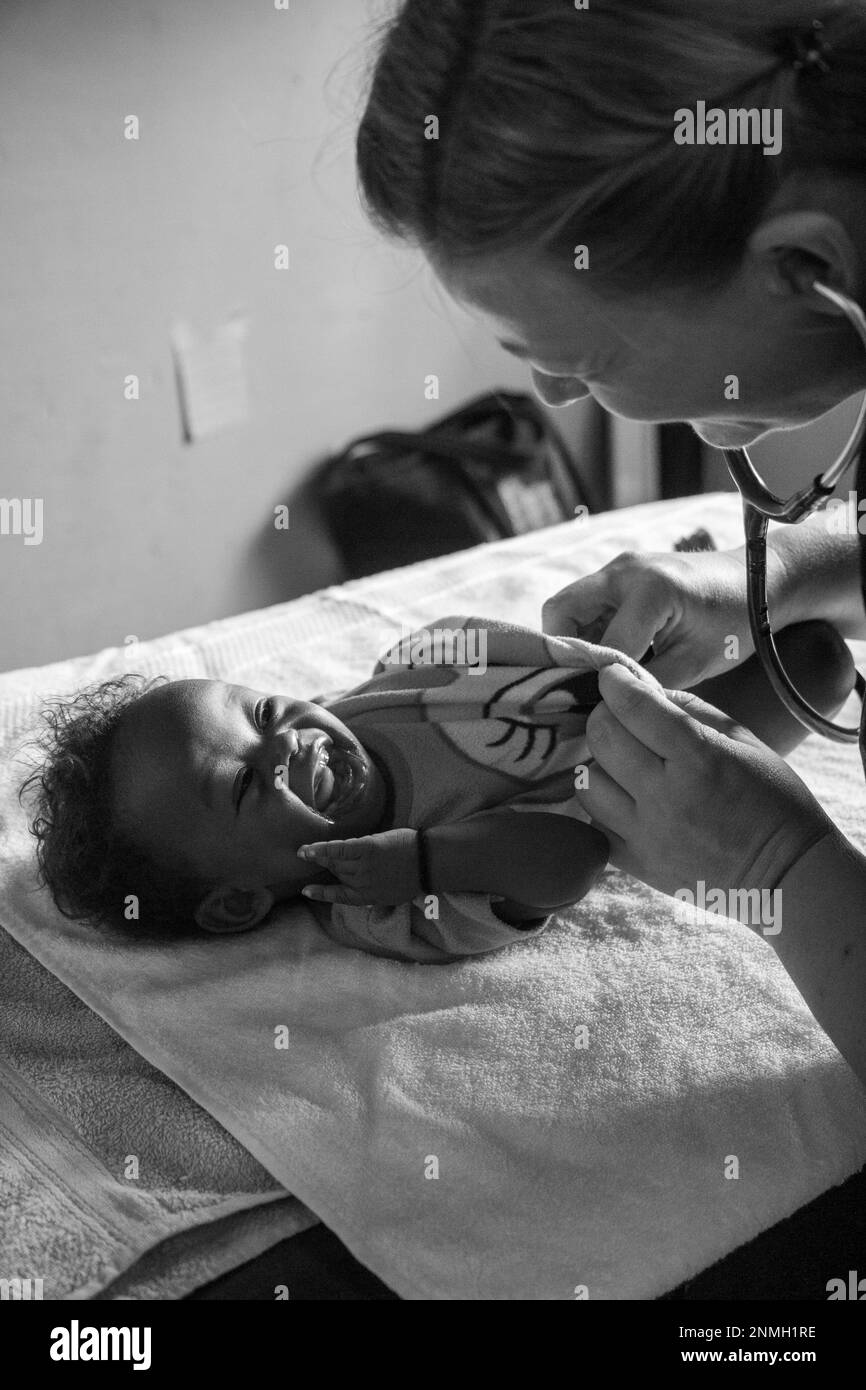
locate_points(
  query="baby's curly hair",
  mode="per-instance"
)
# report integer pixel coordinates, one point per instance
(93, 869)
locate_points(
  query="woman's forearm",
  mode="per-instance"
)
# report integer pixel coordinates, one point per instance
(813, 572)
(822, 941)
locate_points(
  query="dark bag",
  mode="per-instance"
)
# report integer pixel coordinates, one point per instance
(494, 468)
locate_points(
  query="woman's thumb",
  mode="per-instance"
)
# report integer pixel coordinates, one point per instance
(633, 629)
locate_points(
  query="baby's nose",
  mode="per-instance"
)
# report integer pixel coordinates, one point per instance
(289, 743)
(280, 749)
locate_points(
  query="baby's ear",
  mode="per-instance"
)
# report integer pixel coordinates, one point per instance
(233, 909)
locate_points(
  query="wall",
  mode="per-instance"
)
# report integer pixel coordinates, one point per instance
(246, 120)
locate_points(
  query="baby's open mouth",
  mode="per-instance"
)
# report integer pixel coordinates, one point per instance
(339, 778)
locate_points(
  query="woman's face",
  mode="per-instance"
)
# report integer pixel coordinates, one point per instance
(664, 355)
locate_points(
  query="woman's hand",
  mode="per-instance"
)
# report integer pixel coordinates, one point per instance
(688, 606)
(375, 870)
(685, 794)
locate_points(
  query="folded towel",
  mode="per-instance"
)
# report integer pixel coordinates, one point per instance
(552, 1119)
(102, 1158)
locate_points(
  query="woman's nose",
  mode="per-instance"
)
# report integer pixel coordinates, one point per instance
(558, 390)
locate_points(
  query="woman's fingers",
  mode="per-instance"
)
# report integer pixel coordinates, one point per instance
(623, 757)
(581, 609)
(624, 605)
(611, 808)
(643, 708)
(636, 625)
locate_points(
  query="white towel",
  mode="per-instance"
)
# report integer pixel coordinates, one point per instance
(555, 1118)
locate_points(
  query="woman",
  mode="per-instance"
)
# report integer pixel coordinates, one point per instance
(555, 163)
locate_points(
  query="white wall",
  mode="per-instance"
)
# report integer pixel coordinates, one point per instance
(246, 132)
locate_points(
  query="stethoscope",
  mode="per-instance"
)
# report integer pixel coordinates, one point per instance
(761, 506)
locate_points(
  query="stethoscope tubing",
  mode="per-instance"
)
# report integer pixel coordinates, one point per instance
(755, 525)
(760, 506)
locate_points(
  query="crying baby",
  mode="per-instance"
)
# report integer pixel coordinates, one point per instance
(425, 815)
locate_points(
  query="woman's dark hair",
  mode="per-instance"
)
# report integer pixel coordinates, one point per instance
(555, 127)
(93, 869)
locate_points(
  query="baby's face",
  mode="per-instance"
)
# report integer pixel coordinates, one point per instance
(237, 780)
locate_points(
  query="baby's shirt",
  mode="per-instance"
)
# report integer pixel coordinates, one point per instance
(456, 739)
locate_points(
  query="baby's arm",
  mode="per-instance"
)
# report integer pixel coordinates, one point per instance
(535, 863)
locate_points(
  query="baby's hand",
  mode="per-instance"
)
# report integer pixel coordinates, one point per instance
(380, 870)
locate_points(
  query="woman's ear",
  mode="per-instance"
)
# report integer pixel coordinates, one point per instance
(233, 909)
(794, 249)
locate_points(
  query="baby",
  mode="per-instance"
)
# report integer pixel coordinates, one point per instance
(426, 815)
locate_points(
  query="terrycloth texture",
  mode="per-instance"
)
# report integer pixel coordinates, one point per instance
(449, 1124)
(193, 1258)
(77, 1103)
(503, 731)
